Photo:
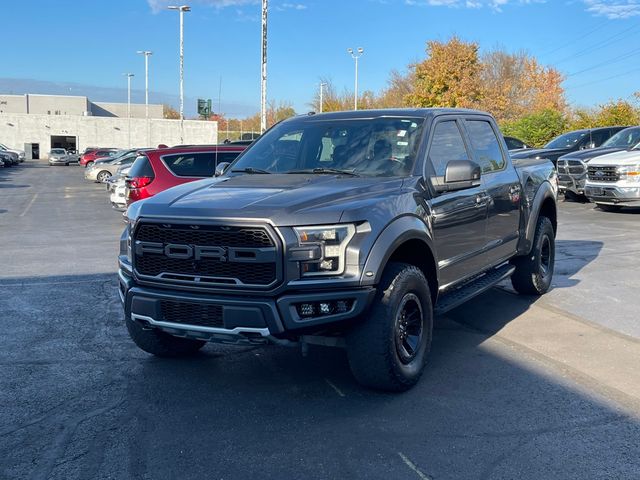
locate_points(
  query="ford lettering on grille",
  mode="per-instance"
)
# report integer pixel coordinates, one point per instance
(210, 255)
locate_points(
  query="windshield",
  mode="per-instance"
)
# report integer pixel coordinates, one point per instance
(371, 147)
(627, 138)
(567, 140)
(58, 151)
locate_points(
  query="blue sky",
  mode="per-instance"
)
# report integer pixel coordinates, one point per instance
(90, 43)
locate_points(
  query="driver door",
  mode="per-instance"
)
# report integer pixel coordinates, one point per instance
(459, 218)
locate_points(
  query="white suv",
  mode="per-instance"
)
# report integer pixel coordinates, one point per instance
(613, 180)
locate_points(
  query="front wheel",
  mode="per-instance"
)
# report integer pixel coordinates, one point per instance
(103, 176)
(388, 350)
(534, 272)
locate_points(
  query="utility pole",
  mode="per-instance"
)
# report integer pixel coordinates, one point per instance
(322, 85)
(181, 9)
(146, 54)
(129, 75)
(356, 55)
(263, 79)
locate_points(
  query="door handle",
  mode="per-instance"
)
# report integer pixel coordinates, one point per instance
(481, 199)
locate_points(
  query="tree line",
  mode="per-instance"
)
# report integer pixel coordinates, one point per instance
(526, 98)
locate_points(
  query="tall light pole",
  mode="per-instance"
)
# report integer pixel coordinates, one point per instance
(322, 85)
(146, 54)
(181, 9)
(356, 55)
(129, 75)
(263, 74)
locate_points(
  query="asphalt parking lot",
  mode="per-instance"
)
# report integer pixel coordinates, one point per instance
(516, 388)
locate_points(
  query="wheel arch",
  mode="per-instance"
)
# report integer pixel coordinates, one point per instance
(406, 240)
(544, 203)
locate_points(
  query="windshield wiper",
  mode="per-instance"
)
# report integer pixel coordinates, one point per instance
(250, 170)
(321, 170)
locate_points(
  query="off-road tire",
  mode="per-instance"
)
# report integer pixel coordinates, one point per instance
(534, 272)
(162, 344)
(374, 355)
(608, 208)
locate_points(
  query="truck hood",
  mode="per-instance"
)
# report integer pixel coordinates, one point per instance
(285, 199)
(626, 157)
(589, 154)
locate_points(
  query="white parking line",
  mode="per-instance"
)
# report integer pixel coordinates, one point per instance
(29, 205)
(338, 391)
(413, 467)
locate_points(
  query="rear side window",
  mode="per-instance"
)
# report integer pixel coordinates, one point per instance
(513, 143)
(485, 146)
(447, 145)
(599, 137)
(141, 168)
(191, 164)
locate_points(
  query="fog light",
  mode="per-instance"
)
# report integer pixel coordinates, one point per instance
(325, 308)
(342, 306)
(306, 309)
(328, 264)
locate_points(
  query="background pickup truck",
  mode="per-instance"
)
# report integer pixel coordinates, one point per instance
(346, 229)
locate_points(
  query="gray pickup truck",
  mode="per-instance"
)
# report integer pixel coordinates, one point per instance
(346, 229)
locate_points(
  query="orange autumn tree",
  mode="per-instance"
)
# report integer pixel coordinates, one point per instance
(448, 77)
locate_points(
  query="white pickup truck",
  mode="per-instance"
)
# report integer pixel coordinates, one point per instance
(613, 180)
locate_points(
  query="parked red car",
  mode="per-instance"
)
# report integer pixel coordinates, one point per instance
(90, 156)
(156, 170)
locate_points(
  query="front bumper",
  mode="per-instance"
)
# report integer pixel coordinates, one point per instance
(244, 319)
(58, 161)
(613, 195)
(575, 184)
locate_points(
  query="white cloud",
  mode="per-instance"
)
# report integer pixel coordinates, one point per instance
(613, 9)
(495, 5)
(158, 5)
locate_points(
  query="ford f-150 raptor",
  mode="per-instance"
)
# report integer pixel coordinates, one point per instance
(349, 229)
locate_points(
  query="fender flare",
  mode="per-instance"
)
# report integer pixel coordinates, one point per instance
(395, 234)
(545, 191)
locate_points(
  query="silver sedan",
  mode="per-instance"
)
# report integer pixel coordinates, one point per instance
(101, 172)
(59, 156)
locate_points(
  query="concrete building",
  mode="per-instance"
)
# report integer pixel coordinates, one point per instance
(73, 105)
(38, 123)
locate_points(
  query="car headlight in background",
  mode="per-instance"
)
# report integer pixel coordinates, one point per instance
(332, 240)
(629, 173)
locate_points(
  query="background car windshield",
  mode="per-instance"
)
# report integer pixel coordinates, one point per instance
(566, 140)
(58, 151)
(629, 137)
(379, 147)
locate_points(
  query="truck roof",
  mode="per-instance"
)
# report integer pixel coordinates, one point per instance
(391, 112)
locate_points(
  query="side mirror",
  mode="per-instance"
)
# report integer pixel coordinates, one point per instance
(459, 175)
(221, 168)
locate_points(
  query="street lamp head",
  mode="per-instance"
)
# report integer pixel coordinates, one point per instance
(181, 8)
(350, 50)
(360, 50)
(145, 52)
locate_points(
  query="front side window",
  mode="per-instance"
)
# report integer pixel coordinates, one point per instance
(447, 144)
(381, 146)
(485, 146)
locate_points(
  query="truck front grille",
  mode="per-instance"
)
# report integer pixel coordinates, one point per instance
(206, 255)
(572, 167)
(603, 174)
(184, 313)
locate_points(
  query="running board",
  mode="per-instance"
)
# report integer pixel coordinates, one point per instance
(460, 295)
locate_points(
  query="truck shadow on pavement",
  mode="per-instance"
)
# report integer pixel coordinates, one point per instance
(571, 257)
(81, 401)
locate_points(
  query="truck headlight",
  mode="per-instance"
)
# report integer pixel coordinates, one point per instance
(629, 173)
(333, 241)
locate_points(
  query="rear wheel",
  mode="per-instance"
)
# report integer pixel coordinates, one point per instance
(162, 344)
(88, 164)
(534, 272)
(388, 350)
(608, 208)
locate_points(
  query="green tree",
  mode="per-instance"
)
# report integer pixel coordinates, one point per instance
(536, 129)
